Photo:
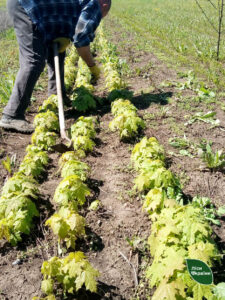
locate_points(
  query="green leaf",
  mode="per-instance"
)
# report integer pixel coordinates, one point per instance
(67, 225)
(72, 272)
(50, 104)
(90, 275)
(17, 216)
(169, 291)
(82, 99)
(75, 167)
(126, 119)
(43, 139)
(181, 143)
(71, 191)
(95, 205)
(221, 211)
(203, 251)
(31, 167)
(207, 118)
(171, 261)
(184, 152)
(159, 178)
(147, 149)
(154, 200)
(120, 106)
(119, 94)
(47, 286)
(202, 291)
(219, 291)
(193, 225)
(52, 267)
(7, 164)
(68, 156)
(58, 225)
(18, 184)
(83, 143)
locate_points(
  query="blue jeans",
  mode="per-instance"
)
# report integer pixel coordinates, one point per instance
(33, 53)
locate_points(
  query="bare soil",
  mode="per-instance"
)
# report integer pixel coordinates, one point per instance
(120, 220)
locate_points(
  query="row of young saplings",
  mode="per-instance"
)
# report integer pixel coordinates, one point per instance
(73, 271)
(18, 208)
(178, 231)
(126, 120)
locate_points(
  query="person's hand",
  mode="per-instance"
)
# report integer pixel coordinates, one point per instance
(63, 43)
(95, 72)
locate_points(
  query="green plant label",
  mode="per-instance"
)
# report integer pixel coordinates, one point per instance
(199, 271)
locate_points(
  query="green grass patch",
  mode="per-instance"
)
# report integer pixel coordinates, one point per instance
(9, 64)
(2, 3)
(177, 32)
(9, 56)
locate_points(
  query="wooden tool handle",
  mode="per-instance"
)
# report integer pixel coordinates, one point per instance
(59, 92)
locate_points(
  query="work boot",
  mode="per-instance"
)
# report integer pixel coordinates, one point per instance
(19, 125)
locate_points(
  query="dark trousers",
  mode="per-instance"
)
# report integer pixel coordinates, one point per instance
(33, 53)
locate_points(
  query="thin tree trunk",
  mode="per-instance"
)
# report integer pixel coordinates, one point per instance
(220, 13)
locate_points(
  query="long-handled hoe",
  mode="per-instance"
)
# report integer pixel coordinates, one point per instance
(61, 147)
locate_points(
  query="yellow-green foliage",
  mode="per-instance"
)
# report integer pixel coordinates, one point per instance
(178, 231)
(68, 225)
(71, 192)
(44, 140)
(69, 155)
(83, 132)
(50, 104)
(72, 273)
(84, 76)
(146, 149)
(34, 162)
(82, 99)
(75, 167)
(17, 209)
(70, 67)
(47, 121)
(110, 62)
(126, 119)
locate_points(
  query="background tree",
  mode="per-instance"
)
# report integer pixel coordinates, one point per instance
(218, 5)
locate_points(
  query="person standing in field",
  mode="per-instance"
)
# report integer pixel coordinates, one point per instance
(37, 24)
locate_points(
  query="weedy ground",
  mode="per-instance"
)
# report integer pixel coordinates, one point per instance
(157, 53)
